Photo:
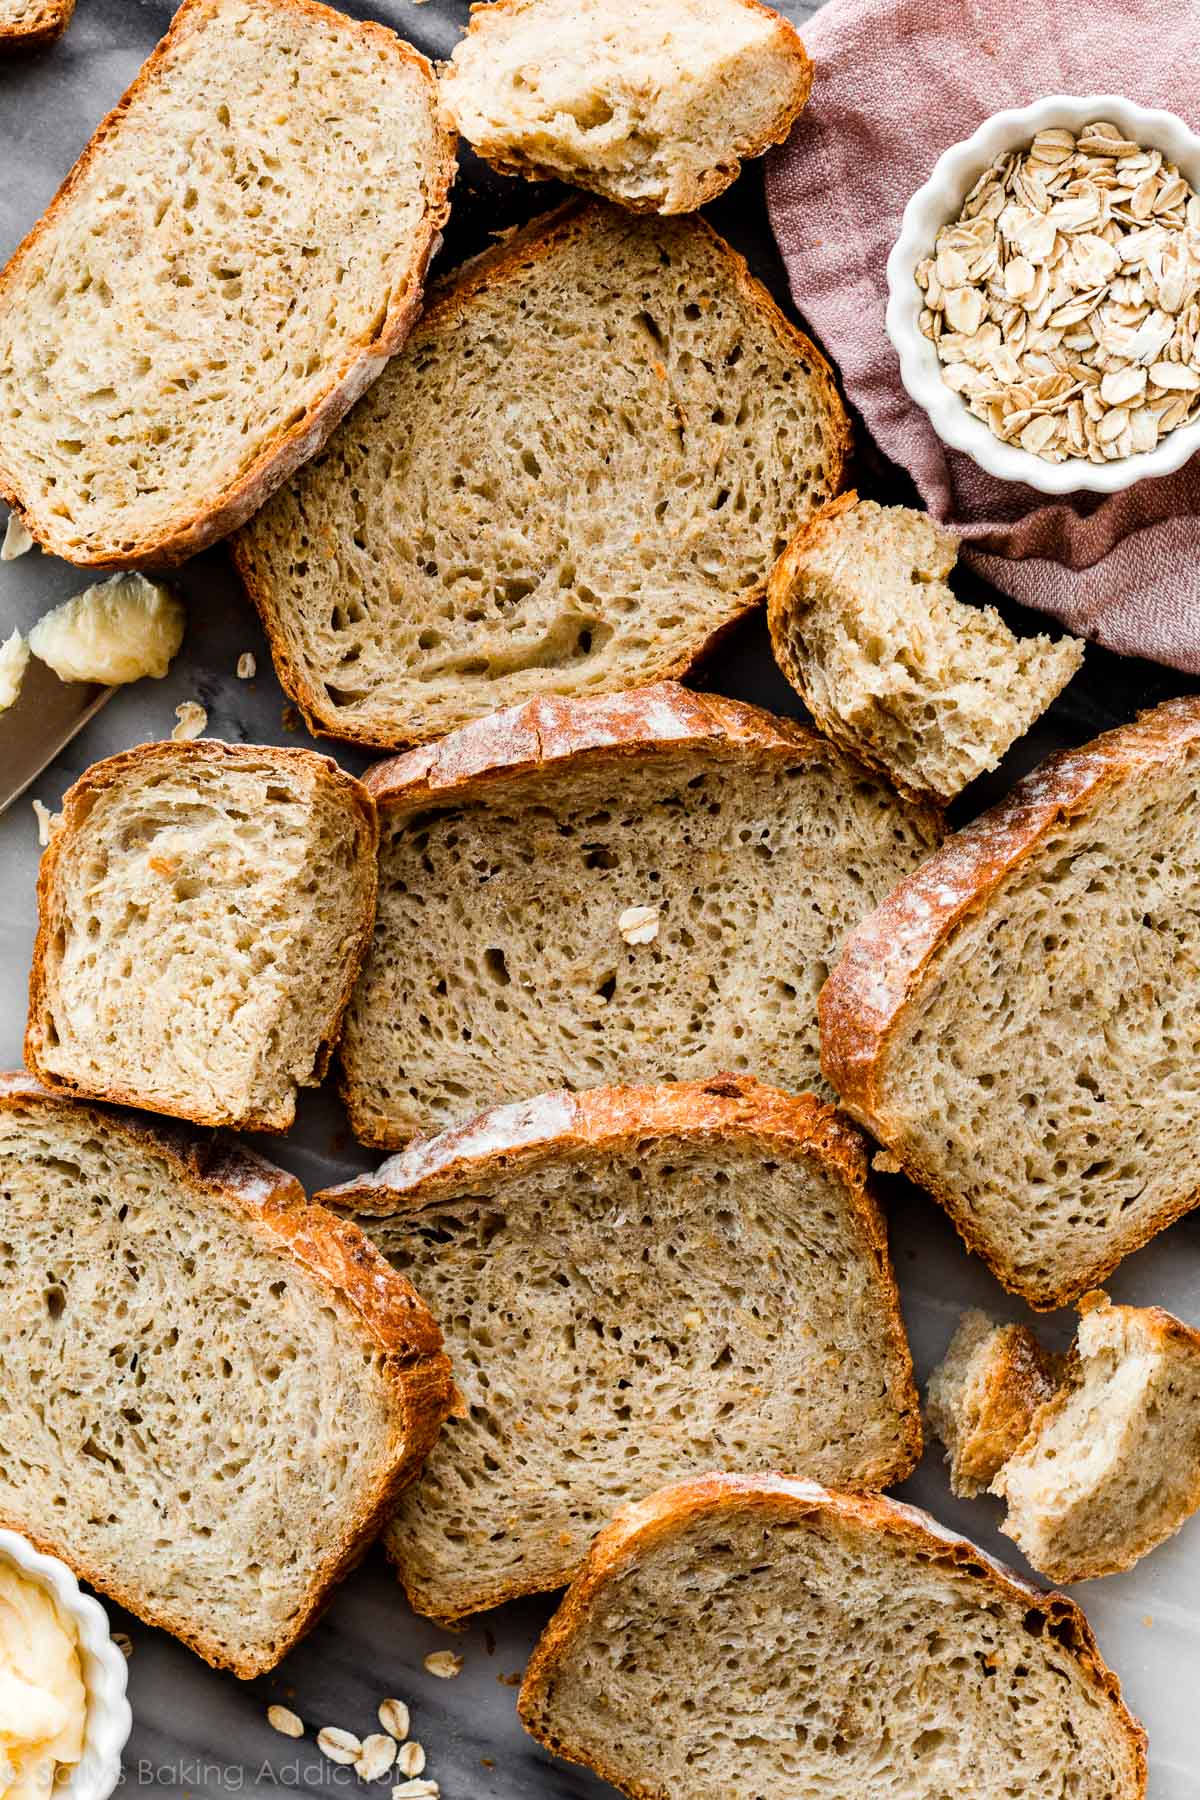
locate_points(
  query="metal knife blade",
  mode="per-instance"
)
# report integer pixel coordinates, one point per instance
(42, 720)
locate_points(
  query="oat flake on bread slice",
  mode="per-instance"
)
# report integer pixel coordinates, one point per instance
(213, 1390)
(230, 263)
(637, 1283)
(762, 1635)
(574, 477)
(1019, 1021)
(513, 855)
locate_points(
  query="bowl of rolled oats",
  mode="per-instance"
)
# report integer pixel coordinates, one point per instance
(1044, 294)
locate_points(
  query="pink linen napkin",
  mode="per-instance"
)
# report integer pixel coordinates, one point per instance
(897, 81)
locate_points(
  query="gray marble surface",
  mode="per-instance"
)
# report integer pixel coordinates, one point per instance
(200, 1733)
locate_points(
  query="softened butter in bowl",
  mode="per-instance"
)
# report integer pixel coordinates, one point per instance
(43, 1700)
(64, 1717)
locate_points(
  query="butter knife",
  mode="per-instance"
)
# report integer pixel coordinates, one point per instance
(40, 723)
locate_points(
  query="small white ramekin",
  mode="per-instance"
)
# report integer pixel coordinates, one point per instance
(936, 204)
(109, 1719)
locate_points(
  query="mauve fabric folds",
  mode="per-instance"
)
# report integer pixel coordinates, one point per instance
(897, 82)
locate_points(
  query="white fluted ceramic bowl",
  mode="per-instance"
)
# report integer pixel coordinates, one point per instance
(109, 1719)
(940, 201)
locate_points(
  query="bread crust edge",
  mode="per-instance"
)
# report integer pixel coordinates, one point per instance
(16, 39)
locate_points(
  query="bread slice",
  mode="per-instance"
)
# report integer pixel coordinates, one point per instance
(231, 261)
(652, 104)
(30, 24)
(202, 915)
(889, 663)
(212, 1392)
(574, 478)
(1111, 1466)
(1018, 1022)
(983, 1394)
(640, 888)
(636, 1283)
(762, 1635)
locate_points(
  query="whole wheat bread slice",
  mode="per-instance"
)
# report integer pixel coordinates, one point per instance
(889, 663)
(653, 103)
(1018, 1023)
(637, 1283)
(202, 913)
(212, 1392)
(641, 888)
(227, 267)
(1110, 1467)
(575, 476)
(764, 1636)
(30, 24)
(983, 1395)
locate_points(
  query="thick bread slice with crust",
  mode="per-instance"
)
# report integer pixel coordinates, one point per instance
(228, 266)
(212, 1391)
(983, 1394)
(653, 103)
(889, 663)
(202, 914)
(1018, 1022)
(29, 24)
(640, 888)
(763, 1635)
(576, 475)
(636, 1283)
(1111, 1466)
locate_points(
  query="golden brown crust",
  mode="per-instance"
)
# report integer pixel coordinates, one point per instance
(639, 1528)
(360, 363)
(53, 18)
(890, 956)
(1021, 1378)
(713, 181)
(77, 803)
(391, 1316)
(510, 259)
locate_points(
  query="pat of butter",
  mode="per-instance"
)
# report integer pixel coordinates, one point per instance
(43, 1703)
(14, 654)
(114, 632)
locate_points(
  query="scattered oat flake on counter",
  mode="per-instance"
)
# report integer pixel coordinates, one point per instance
(411, 1759)
(446, 1664)
(282, 1718)
(192, 721)
(17, 539)
(47, 822)
(639, 924)
(416, 1790)
(338, 1745)
(1064, 301)
(247, 667)
(394, 1717)
(378, 1755)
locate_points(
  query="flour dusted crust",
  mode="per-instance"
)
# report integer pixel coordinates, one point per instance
(32, 24)
(387, 1312)
(891, 954)
(77, 804)
(639, 1529)
(203, 522)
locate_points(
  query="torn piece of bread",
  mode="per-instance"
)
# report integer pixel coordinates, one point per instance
(1111, 1466)
(201, 919)
(574, 477)
(764, 1636)
(212, 1392)
(890, 664)
(636, 1283)
(230, 263)
(652, 103)
(1019, 1021)
(641, 888)
(30, 24)
(983, 1395)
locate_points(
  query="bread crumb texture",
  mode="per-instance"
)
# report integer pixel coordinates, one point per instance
(203, 908)
(983, 1395)
(653, 105)
(225, 258)
(579, 470)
